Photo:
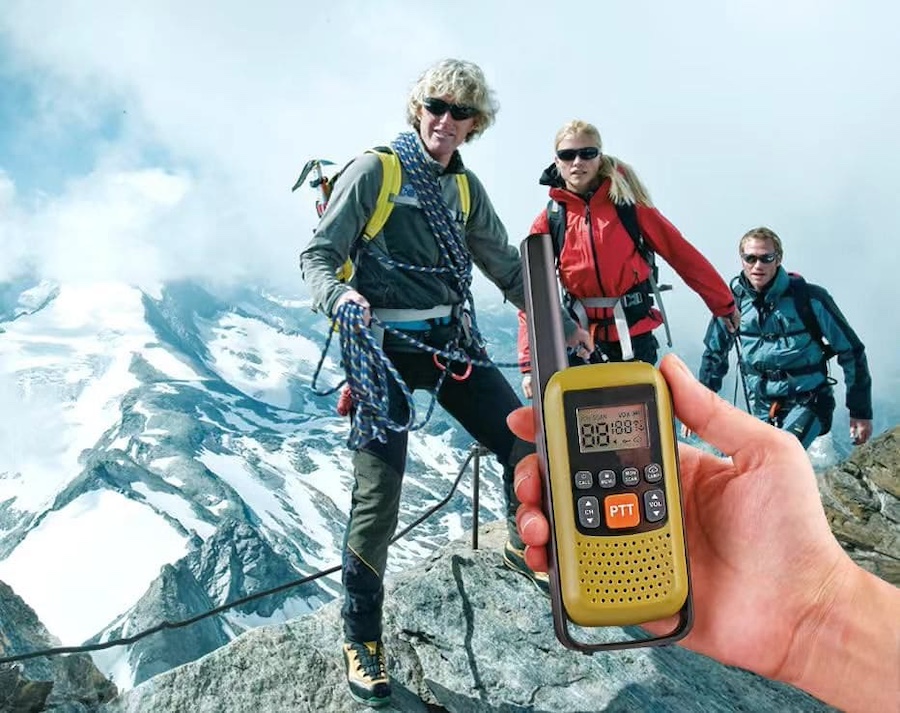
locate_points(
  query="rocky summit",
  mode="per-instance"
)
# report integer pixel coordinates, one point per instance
(464, 633)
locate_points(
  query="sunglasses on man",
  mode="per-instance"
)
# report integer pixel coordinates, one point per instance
(766, 259)
(439, 107)
(585, 154)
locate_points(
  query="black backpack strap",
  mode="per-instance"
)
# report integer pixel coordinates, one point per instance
(800, 291)
(556, 217)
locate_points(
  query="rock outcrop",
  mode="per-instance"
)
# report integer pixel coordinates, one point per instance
(67, 684)
(861, 497)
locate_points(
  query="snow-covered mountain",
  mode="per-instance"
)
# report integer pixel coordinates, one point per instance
(163, 453)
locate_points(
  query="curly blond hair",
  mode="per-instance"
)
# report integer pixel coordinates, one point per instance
(464, 82)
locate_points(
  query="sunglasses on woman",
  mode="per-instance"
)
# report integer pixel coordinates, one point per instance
(585, 154)
(766, 259)
(439, 107)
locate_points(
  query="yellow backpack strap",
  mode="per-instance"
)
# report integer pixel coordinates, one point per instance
(390, 186)
(465, 200)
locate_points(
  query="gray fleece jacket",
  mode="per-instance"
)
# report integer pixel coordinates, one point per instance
(405, 238)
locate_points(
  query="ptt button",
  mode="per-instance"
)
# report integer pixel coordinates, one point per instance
(589, 511)
(583, 479)
(655, 505)
(606, 479)
(621, 510)
(630, 476)
(653, 473)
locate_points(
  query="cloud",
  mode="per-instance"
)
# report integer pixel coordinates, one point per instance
(734, 114)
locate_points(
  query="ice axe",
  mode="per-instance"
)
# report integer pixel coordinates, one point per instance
(320, 181)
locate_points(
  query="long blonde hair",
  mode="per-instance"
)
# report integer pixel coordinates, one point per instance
(624, 184)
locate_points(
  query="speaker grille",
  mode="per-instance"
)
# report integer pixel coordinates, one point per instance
(638, 569)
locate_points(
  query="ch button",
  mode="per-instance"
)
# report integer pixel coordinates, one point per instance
(589, 511)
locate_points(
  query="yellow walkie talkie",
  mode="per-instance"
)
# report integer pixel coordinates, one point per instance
(606, 440)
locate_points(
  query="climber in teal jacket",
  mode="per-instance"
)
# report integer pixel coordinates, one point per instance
(789, 329)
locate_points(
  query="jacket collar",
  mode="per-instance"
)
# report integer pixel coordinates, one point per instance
(455, 165)
(550, 177)
(770, 293)
(561, 194)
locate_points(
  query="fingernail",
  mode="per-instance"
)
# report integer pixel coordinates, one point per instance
(677, 362)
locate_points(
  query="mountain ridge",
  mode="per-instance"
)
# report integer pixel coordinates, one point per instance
(210, 436)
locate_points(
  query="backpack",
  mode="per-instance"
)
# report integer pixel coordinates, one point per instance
(799, 289)
(390, 186)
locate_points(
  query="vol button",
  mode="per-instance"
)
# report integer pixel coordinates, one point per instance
(655, 505)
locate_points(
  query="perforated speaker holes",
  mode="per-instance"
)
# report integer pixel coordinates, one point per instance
(617, 572)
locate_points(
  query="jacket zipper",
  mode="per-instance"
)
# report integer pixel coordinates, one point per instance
(590, 229)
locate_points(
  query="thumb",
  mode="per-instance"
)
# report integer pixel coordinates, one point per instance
(521, 422)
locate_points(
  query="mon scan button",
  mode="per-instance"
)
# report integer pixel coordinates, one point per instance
(621, 510)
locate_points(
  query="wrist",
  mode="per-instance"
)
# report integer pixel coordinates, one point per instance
(846, 650)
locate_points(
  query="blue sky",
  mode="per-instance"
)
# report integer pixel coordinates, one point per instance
(161, 139)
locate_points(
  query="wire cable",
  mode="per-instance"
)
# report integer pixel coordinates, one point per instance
(58, 651)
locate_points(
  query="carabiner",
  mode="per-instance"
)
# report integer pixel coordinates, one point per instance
(454, 376)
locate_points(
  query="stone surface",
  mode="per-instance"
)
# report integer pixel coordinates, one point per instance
(861, 497)
(63, 684)
(463, 633)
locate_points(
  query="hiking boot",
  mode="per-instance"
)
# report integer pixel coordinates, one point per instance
(515, 560)
(367, 672)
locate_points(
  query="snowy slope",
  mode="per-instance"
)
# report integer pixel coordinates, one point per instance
(140, 426)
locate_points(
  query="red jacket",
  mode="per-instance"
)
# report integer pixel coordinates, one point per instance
(599, 259)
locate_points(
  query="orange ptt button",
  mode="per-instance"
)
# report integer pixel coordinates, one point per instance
(621, 510)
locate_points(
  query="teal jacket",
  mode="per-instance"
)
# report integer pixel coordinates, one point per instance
(780, 360)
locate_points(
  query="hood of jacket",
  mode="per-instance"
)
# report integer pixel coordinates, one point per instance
(550, 177)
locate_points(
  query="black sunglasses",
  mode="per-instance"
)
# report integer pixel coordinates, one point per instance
(439, 107)
(766, 259)
(585, 154)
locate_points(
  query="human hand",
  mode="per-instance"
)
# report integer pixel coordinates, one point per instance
(685, 431)
(581, 342)
(764, 565)
(356, 297)
(526, 386)
(732, 321)
(860, 430)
